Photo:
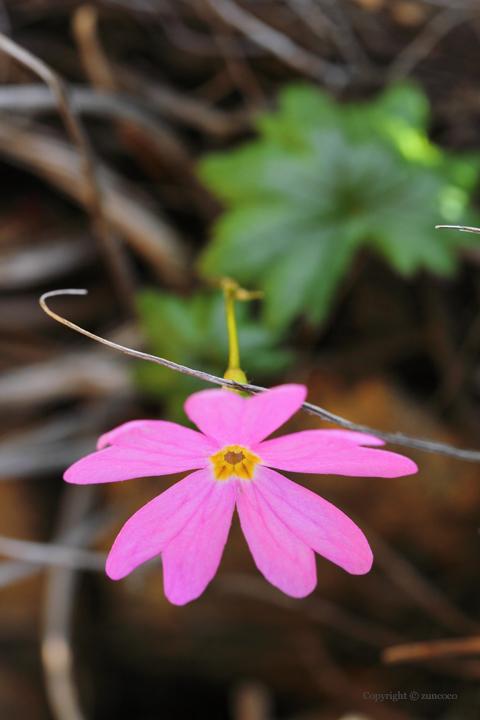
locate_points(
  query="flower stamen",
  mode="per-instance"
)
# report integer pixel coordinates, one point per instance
(234, 460)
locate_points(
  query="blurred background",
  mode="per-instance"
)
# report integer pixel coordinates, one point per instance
(307, 149)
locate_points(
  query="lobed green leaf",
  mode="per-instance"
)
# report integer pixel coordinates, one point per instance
(323, 180)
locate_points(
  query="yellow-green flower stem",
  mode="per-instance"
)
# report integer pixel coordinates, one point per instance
(229, 290)
(232, 292)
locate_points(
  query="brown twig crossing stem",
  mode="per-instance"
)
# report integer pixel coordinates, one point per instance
(395, 438)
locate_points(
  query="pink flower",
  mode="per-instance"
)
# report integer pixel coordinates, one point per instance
(283, 522)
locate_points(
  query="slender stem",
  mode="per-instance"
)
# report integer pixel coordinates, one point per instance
(397, 438)
(229, 289)
(232, 291)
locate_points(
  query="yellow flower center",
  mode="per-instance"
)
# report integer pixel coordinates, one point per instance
(234, 460)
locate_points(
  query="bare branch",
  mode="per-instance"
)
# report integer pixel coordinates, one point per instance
(395, 438)
(236, 66)
(13, 570)
(60, 593)
(87, 530)
(316, 608)
(94, 61)
(341, 33)
(126, 210)
(51, 554)
(279, 44)
(116, 261)
(424, 593)
(149, 99)
(425, 41)
(432, 650)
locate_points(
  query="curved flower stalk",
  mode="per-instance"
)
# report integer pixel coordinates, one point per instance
(234, 464)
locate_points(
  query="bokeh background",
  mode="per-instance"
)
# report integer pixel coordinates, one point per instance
(307, 149)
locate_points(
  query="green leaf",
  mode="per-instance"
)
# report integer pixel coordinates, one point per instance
(323, 180)
(192, 331)
(301, 112)
(406, 102)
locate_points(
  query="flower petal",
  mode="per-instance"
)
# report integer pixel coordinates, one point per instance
(191, 560)
(160, 436)
(284, 559)
(152, 527)
(231, 419)
(338, 452)
(266, 412)
(217, 413)
(318, 523)
(124, 463)
(189, 524)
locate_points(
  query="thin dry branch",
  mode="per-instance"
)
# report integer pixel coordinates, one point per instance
(87, 531)
(182, 108)
(60, 592)
(94, 60)
(51, 554)
(60, 164)
(279, 44)
(433, 650)
(333, 682)
(33, 99)
(79, 374)
(419, 589)
(252, 701)
(148, 100)
(115, 258)
(202, 44)
(145, 144)
(25, 266)
(316, 608)
(317, 20)
(13, 570)
(236, 65)
(394, 438)
(441, 24)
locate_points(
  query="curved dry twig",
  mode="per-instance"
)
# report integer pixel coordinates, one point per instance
(398, 438)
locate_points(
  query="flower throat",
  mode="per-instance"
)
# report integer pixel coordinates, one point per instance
(234, 460)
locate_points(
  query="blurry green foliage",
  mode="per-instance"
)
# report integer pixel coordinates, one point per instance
(324, 179)
(192, 331)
